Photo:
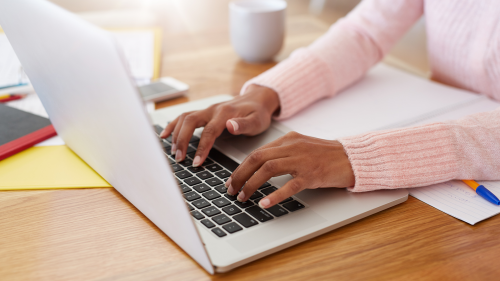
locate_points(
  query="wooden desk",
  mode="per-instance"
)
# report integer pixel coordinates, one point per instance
(91, 234)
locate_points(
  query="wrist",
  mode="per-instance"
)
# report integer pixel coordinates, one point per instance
(266, 96)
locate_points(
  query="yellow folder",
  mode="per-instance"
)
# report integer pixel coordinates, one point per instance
(47, 167)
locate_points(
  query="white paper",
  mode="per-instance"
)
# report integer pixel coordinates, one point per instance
(11, 71)
(385, 98)
(460, 201)
(138, 49)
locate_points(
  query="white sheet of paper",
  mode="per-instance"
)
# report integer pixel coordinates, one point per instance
(138, 48)
(460, 201)
(385, 98)
(11, 71)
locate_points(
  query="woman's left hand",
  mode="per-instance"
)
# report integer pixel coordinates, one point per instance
(310, 161)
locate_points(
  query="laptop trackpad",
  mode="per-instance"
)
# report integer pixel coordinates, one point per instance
(280, 229)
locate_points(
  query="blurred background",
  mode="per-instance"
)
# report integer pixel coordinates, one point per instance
(195, 37)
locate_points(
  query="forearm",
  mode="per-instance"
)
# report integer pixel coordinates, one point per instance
(468, 148)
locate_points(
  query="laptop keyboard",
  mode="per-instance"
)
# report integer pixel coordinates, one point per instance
(207, 198)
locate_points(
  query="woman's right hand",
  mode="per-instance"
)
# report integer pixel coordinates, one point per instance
(249, 114)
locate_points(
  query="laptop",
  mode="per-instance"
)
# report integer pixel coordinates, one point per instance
(83, 82)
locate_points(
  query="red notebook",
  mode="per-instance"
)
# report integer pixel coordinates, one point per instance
(20, 130)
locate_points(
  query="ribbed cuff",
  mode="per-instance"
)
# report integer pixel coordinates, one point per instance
(402, 158)
(299, 81)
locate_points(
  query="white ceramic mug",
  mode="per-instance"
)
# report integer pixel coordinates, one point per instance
(257, 28)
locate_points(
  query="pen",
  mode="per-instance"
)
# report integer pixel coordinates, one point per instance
(6, 98)
(482, 191)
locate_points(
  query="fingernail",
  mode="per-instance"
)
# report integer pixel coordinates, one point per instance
(178, 155)
(230, 190)
(241, 196)
(162, 134)
(235, 125)
(228, 182)
(264, 203)
(196, 161)
(174, 148)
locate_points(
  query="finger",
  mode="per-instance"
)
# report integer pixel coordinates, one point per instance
(189, 124)
(169, 128)
(291, 188)
(272, 168)
(176, 131)
(251, 164)
(250, 125)
(212, 130)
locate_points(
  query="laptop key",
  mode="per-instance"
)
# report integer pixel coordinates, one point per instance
(266, 184)
(293, 206)
(256, 195)
(201, 203)
(185, 188)
(268, 190)
(221, 189)
(171, 161)
(158, 129)
(197, 215)
(208, 161)
(286, 200)
(195, 143)
(190, 196)
(201, 188)
(177, 167)
(213, 181)
(210, 195)
(183, 174)
(230, 197)
(223, 174)
(186, 162)
(245, 220)
(213, 167)
(192, 181)
(277, 211)
(196, 169)
(190, 150)
(211, 211)
(219, 232)
(221, 202)
(207, 223)
(190, 207)
(259, 214)
(221, 219)
(232, 227)
(204, 175)
(222, 159)
(244, 205)
(194, 139)
(231, 210)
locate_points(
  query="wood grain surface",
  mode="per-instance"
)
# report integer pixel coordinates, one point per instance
(95, 234)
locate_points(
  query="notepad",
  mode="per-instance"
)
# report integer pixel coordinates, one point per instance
(458, 200)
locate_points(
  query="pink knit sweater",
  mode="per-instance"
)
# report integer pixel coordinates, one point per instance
(464, 47)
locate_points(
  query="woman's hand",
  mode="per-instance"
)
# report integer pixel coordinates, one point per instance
(249, 115)
(310, 161)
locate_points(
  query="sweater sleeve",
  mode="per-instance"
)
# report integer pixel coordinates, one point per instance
(467, 148)
(341, 56)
